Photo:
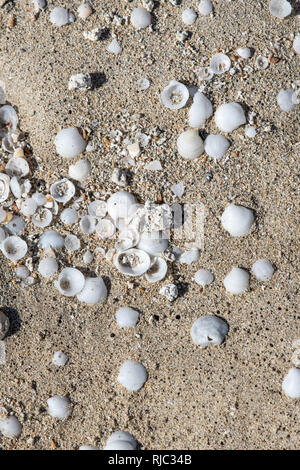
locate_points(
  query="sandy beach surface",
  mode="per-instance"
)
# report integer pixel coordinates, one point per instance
(224, 397)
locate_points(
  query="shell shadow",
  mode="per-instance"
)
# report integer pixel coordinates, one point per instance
(14, 319)
(98, 79)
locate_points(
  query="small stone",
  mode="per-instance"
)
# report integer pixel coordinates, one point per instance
(80, 81)
(134, 150)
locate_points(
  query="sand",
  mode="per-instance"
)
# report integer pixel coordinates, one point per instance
(225, 397)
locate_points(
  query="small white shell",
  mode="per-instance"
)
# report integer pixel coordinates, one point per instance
(280, 8)
(261, 62)
(189, 16)
(14, 248)
(105, 228)
(15, 187)
(237, 220)
(69, 216)
(205, 7)
(88, 224)
(157, 271)
(296, 44)
(190, 145)
(84, 10)
(60, 16)
(291, 383)
(17, 166)
(237, 281)
(97, 209)
(8, 116)
(140, 18)
(4, 186)
(119, 445)
(263, 270)
(208, 330)
(229, 117)
(10, 427)
(59, 359)
(120, 205)
(51, 239)
(220, 63)
(70, 282)
(175, 95)
(28, 207)
(132, 262)
(42, 217)
(22, 272)
(72, 243)
(132, 375)
(127, 317)
(69, 143)
(216, 145)
(204, 73)
(287, 100)
(48, 267)
(200, 110)
(59, 407)
(203, 277)
(62, 190)
(94, 291)
(15, 226)
(80, 171)
(190, 256)
(114, 47)
(244, 52)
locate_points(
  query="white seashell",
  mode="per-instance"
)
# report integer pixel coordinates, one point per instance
(84, 10)
(59, 359)
(69, 216)
(229, 117)
(59, 407)
(69, 143)
(4, 186)
(261, 62)
(291, 383)
(39, 198)
(132, 262)
(14, 248)
(143, 84)
(189, 16)
(244, 52)
(280, 8)
(72, 243)
(157, 271)
(220, 63)
(177, 189)
(120, 205)
(216, 145)
(203, 277)
(87, 257)
(190, 145)
(97, 209)
(208, 330)
(127, 317)
(200, 110)
(80, 81)
(152, 243)
(105, 228)
(155, 165)
(287, 100)
(94, 291)
(48, 267)
(296, 44)
(121, 436)
(140, 18)
(42, 217)
(10, 427)
(60, 16)
(4, 325)
(17, 166)
(132, 375)
(128, 238)
(3, 235)
(8, 116)
(204, 73)
(70, 282)
(170, 291)
(7, 144)
(250, 132)
(175, 95)
(62, 190)
(39, 5)
(22, 272)
(263, 270)
(190, 256)
(114, 47)
(88, 224)
(15, 187)
(237, 281)
(80, 171)
(15, 226)
(51, 239)
(237, 220)
(28, 207)
(205, 7)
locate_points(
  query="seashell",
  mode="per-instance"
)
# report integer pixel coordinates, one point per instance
(220, 63)
(132, 375)
(42, 217)
(87, 257)
(237, 220)
(7, 144)
(296, 44)
(237, 281)
(69, 216)
(157, 271)
(287, 100)
(94, 291)
(117, 440)
(10, 427)
(190, 145)
(121, 205)
(126, 317)
(114, 47)
(97, 209)
(208, 330)
(15, 187)
(152, 243)
(175, 95)
(39, 198)
(80, 81)
(205, 7)
(170, 291)
(28, 207)
(291, 383)
(132, 262)
(62, 190)
(72, 243)
(4, 186)
(88, 224)
(229, 117)
(15, 226)
(84, 10)
(204, 73)
(216, 145)
(8, 116)
(244, 52)
(59, 407)
(51, 239)
(119, 445)
(190, 256)
(3, 215)
(3, 235)
(280, 8)
(80, 171)
(25, 188)
(143, 84)
(105, 228)
(17, 166)
(70, 282)
(200, 110)
(69, 143)
(262, 270)
(2, 93)
(61, 16)
(39, 5)
(261, 62)
(189, 16)
(203, 277)
(250, 132)
(128, 238)
(48, 267)
(59, 359)
(22, 272)
(14, 248)
(140, 18)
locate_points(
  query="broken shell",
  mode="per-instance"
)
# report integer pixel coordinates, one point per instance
(42, 217)
(70, 282)
(175, 95)
(15, 226)
(97, 209)
(200, 110)
(14, 248)
(17, 166)
(190, 145)
(69, 143)
(114, 47)
(152, 243)
(88, 224)
(62, 190)
(80, 170)
(105, 228)
(15, 187)
(8, 116)
(51, 239)
(204, 73)
(157, 271)
(7, 144)
(132, 262)
(220, 63)
(4, 186)
(94, 291)
(191, 256)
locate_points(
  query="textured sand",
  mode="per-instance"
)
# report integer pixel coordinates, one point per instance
(227, 397)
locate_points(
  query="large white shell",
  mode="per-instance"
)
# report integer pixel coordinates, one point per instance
(70, 282)
(280, 8)
(17, 166)
(229, 117)
(51, 239)
(216, 145)
(208, 330)
(132, 375)
(237, 281)
(15, 226)
(200, 110)
(140, 18)
(120, 204)
(69, 143)
(220, 63)
(10, 427)
(80, 171)
(62, 190)
(97, 209)
(105, 228)
(60, 16)
(132, 262)
(94, 291)
(190, 145)
(237, 220)
(157, 271)
(14, 248)
(59, 407)
(88, 224)
(152, 243)
(8, 116)
(4, 186)
(175, 95)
